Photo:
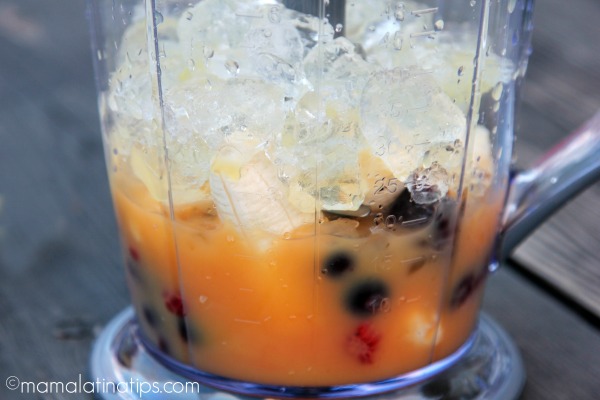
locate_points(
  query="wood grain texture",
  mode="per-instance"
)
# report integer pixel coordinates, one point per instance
(61, 277)
(562, 90)
(560, 352)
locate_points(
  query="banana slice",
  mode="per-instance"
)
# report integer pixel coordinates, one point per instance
(249, 195)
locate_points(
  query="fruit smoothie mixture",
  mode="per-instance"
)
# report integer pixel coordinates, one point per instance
(302, 203)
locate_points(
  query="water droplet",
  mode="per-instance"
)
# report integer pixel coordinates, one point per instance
(208, 52)
(158, 18)
(339, 27)
(203, 299)
(371, 28)
(267, 33)
(189, 15)
(232, 67)
(497, 91)
(191, 64)
(511, 5)
(472, 3)
(439, 25)
(461, 70)
(287, 235)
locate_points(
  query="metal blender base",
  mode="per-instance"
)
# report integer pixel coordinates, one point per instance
(488, 366)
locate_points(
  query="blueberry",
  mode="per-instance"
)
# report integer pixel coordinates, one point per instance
(163, 345)
(409, 213)
(337, 264)
(443, 229)
(462, 291)
(150, 316)
(182, 329)
(465, 287)
(366, 298)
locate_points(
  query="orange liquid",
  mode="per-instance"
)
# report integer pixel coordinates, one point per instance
(267, 309)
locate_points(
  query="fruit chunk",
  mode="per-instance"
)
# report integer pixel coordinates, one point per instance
(465, 287)
(367, 297)
(174, 304)
(363, 343)
(150, 316)
(409, 213)
(248, 194)
(337, 264)
(182, 329)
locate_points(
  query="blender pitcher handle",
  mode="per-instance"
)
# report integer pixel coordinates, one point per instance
(536, 193)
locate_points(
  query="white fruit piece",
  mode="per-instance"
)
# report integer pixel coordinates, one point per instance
(249, 195)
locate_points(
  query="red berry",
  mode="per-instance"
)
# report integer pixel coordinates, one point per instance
(363, 343)
(174, 304)
(134, 253)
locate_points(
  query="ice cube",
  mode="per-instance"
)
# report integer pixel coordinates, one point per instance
(373, 23)
(451, 60)
(328, 179)
(380, 186)
(235, 111)
(428, 185)
(478, 171)
(317, 155)
(449, 154)
(312, 29)
(248, 194)
(404, 114)
(187, 173)
(338, 72)
(254, 36)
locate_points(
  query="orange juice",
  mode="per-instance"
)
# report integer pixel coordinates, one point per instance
(342, 300)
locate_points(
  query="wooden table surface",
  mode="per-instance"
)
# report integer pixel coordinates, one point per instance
(61, 277)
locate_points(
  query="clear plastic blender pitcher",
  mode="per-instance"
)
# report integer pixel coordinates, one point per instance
(311, 194)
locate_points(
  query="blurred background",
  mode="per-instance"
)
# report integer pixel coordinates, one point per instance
(61, 277)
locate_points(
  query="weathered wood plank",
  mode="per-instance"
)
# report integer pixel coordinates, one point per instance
(560, 352)
(561, 91)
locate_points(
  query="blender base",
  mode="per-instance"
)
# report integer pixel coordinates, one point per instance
(488, 366)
